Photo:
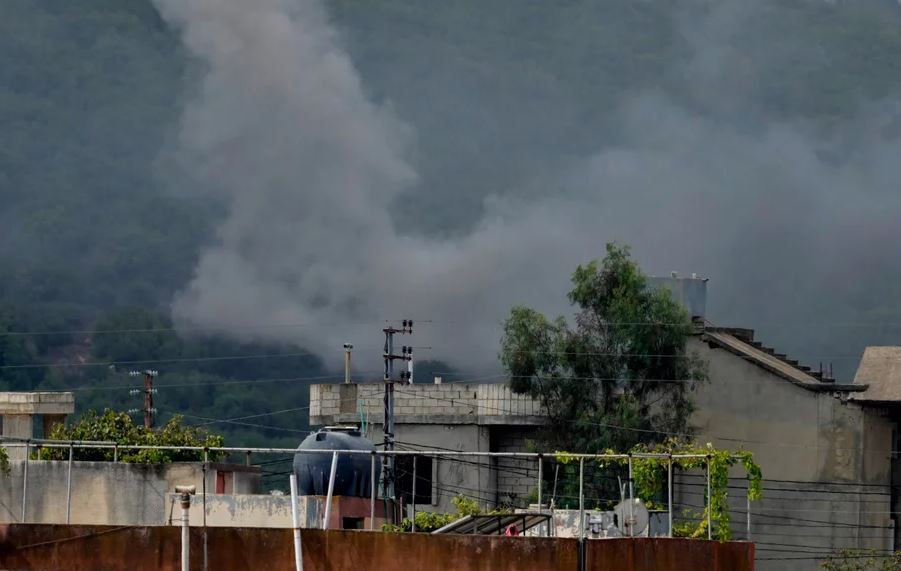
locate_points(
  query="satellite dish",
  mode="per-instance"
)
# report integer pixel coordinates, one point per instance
(631, 517)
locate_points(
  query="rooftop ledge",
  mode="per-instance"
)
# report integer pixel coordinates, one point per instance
(450, 403)
(37, 403)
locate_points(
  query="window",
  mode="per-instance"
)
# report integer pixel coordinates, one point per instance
(352, 523)
(423, 479)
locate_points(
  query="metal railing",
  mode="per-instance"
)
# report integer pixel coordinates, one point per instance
(375, 455)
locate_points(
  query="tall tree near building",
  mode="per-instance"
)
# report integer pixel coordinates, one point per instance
(621, 375)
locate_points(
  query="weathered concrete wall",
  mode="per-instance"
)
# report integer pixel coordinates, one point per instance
(825, 461)
(516, 478)
(71, 548)
(113, 493)
(451, 476)
(266, 511)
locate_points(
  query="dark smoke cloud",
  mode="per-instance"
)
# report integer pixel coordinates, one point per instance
(796, 229)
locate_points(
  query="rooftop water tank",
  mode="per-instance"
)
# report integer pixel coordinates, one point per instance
(352, 477)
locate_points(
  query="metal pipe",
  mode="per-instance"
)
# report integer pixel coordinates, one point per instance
(69, 487)
(540, 483)
(295, 521)
(413, 499)
(709, 527)
(581, 499)
(669, 505)
(185, 533)
(331, 489)
(115, 453)
(372, 484)
(748, 512)
(206, 461)
(347, 349)
(631, 502)
(25, 482)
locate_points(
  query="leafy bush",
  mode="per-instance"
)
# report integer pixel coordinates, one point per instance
(118, 427)
(430, 521)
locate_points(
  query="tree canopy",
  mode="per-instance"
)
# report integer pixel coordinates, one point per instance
(621, 375)
(118, 427)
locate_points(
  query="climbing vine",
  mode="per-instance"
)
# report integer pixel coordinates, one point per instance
(649, 477)
(430, 521)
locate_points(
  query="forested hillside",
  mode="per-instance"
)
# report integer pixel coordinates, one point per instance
(96, 239)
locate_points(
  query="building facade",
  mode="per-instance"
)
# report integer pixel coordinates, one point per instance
(825, 447)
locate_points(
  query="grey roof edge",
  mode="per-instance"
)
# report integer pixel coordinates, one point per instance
(880, 371)
(740, 348)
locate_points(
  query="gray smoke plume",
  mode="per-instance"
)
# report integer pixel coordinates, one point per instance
(312, 172)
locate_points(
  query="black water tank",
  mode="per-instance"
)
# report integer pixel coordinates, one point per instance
(353, 475)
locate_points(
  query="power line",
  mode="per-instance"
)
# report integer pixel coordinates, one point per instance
(262, 414)
(241, 423)
(202, 383)
(151, 361)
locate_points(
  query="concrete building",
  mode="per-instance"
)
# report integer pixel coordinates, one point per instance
(453, 416)
(827, 448)
(17, 412)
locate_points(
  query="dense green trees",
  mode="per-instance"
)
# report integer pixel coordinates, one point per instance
(619, 377)
(119, 428)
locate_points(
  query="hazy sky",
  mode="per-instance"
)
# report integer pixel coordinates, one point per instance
(796, 228)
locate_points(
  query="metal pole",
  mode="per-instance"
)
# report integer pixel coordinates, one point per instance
(631, 501)
(25, 481)
(116, 453)
(669, 507)
(185, 533)
(709, 528)
(540, 480)
(413, 499)
(206, 461)
(295, 520)
(581, 499)
(372, 501)
(331, 489)
(69, 486)
(748, 513)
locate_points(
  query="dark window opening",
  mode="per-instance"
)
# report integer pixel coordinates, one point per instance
(352, 523)
(423, 479)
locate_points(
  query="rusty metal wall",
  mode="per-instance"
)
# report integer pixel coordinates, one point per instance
(79, 548)
(652, 554)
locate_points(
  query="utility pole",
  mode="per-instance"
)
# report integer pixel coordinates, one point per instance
(389, 464)
(148, 393)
